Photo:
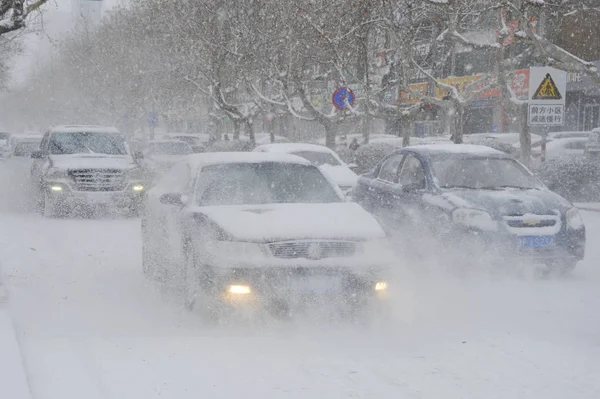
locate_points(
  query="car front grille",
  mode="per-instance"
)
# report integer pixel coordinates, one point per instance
(525, 223)
(98, 179)
(312, 249)
(529, 221)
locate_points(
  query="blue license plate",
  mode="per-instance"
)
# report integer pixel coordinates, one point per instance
(536, 242)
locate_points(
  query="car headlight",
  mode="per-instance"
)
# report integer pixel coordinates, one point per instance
(474, 218)
(574, 219)
(136, 174)
(55, 173)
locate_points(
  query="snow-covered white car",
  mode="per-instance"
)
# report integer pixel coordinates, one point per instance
(86, 165)
(198, 141)
(570, 147)
(326, 159)
(592, 146)
(22, 145)
(266, 228)
(161, 155)
(4, 145)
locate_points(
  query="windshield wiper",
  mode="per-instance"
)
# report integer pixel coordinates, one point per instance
(507, 186)
(465, 187)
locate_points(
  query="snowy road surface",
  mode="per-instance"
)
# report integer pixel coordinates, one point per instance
(90, 326)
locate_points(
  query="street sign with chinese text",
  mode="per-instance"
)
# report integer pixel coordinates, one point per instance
(547, 92)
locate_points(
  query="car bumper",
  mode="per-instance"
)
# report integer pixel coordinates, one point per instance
(62, 192)
(301, 282)
(569, 246)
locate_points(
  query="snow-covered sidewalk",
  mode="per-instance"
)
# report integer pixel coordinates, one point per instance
(13, 380)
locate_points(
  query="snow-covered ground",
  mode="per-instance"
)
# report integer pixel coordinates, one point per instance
(89, 326)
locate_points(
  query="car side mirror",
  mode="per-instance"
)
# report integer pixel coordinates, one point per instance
(173, 199)
(353, 167)
(37, 154)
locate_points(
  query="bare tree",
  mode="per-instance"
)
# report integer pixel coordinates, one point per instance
(14, 13)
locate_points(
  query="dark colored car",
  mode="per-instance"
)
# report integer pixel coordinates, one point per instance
(467, 194)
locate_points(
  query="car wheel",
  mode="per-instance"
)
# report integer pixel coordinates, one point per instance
(562, 267)
(49, 206)
(190, 281)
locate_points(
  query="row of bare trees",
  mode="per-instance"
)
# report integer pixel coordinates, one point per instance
(242, 59)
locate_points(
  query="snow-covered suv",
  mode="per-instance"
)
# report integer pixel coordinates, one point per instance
(86, 165)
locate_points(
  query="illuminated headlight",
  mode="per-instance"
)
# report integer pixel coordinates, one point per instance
(55, 173)
(56, 188)
(136, 174)
(237, 289)
(474, 218)
(574, 219)
(138, 187)
(381, 286)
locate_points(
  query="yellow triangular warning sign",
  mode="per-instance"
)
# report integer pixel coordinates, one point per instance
(547, 90)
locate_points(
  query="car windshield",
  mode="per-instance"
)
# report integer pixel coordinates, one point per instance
(170, 148)
(481, 173)
(263, 183)
(318, 158)
(87, 143)
(25, 148)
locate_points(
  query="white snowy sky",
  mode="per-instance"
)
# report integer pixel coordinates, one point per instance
(38, 45)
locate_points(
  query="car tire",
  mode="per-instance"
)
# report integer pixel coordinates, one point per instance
(562, 268)
(148, 254)
(190, 281)
(48, 206)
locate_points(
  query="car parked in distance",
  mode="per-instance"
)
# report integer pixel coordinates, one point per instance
(568, 147)
(475, 195)
(23, 145)
(261, 231)
(320, 156)
(161, 155)
(78, 165)
(4, 145)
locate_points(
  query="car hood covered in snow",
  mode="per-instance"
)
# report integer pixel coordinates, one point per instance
(92, 161)
(340, 175)
(277, 222)
(506, 202)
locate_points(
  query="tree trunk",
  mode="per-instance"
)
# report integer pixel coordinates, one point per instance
(237, 125)
(250, 130)
(405, 131)
(525, 137)
(330, 135)
(366, 128)
(455, 122)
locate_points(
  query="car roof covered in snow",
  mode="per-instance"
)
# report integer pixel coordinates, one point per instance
(458, 149)
(83, 128)
(292, 147)
(197, 161)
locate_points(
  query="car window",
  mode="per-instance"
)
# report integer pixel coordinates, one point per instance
(263, 183)
(175, 180)
(318, 158)
(389, 170)
(44, 143)
(576, 145)
(412, 172)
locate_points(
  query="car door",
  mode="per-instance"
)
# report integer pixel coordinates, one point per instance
(376, 192)
(407, 193)
(164, 219)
